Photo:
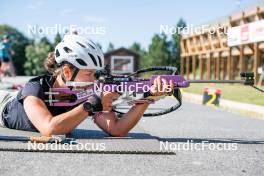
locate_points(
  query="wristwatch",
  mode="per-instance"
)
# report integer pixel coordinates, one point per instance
(88, 107)
(147, 94)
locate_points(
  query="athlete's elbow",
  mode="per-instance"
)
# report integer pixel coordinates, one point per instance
(117, 133)
(50, 129)
(46, 132)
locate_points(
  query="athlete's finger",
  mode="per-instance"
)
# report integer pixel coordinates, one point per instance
(171, 87)
(159, 84)
(164, 85)
(155, 83)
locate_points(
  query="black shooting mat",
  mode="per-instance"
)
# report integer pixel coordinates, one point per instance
(89, 139)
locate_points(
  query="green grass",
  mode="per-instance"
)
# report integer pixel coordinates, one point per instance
(239, 93)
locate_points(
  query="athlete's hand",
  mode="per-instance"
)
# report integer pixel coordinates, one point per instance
(107, 99)
(161, 87)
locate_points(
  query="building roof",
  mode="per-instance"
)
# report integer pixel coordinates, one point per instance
(120, 50)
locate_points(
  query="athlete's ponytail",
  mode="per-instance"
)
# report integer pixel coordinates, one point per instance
(50, 64)
(52, 67)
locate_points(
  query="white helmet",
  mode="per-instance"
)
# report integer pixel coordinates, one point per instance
(80, 52)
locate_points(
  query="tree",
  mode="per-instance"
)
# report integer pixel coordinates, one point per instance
(45, 40)
(36, 55)
(57, 40)
(175, 45)
(110, 47)
(136, 47)
(158, 53)
(18, 42)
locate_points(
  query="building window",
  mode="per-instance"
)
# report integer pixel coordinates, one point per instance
(122, 64)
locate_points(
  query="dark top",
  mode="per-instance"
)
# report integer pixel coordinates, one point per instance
(17, 118)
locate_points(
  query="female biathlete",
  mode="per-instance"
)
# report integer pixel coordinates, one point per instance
(74, 59)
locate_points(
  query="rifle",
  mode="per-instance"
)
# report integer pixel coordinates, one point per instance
(78, 92)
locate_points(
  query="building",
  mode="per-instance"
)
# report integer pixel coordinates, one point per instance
(234, 44)
(122, 61)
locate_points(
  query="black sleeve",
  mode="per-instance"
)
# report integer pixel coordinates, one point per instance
(33, 89)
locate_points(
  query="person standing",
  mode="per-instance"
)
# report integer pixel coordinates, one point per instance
(6, 60)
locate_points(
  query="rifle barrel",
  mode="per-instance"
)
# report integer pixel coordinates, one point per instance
(216, 81)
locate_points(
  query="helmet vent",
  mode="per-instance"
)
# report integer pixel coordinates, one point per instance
(100, 61)
(81, 44)
(81, 62)
(92, 57)
(91, 46)
(67, 50)
(57, 54)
